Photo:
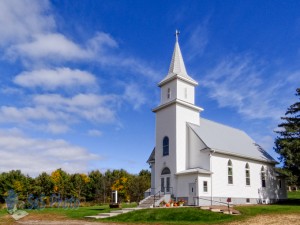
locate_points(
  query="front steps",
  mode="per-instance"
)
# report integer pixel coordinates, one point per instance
(151, 201)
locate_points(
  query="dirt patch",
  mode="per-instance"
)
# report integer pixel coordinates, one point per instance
(273, 219)
(52, 219)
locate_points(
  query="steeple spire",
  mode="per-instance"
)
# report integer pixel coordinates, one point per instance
(177, 67)
(177, 64)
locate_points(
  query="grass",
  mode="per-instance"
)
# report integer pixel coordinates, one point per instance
(194, 215)
(294, 194)
(172, 216)
(79, 213)
(168, 215)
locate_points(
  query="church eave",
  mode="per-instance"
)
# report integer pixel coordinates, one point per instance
(180, 102)
(223, 152)
(177, 76)
(194, 171)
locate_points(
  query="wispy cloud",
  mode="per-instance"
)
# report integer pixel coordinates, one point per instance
(96, 133)
(134, 95)
(240, 82)
(36, 155)
(197, 41)
(51, 79)
(20, 20)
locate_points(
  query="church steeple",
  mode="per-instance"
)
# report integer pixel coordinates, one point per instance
(177, 64)
(177, 67)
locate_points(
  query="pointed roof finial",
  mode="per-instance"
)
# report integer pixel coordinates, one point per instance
(177, 32)
(177, 67)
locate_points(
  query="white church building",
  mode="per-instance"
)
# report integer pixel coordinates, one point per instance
(201, 161)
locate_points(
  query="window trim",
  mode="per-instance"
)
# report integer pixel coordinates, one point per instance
(229, 169)
(247, 174)
(205, 186)
(166, 146)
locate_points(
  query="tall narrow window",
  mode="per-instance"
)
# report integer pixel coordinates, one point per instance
(263, 177)
(162, 184)
(247, 174)
(168, 184)
(204, 186)
(230, 173)
(166, 146)
(169, 93)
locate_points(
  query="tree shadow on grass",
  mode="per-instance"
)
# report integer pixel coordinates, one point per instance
(291, 201)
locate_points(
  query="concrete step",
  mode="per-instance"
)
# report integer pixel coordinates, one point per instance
(205, 207)
(97, 217)
(216, 210)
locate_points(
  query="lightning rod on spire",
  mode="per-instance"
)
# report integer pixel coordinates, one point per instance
(177, 34)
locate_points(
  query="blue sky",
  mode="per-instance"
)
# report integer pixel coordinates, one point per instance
(79, 78)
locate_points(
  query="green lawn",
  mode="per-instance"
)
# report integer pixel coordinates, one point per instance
(172, 215)
(79, 213)
(197, 216)
(294, 194)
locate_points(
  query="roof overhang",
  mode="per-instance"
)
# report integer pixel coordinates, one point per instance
(223, 152)
(180, 102)
(177, 76)
(194, 171)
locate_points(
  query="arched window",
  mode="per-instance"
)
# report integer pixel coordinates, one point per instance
(169, 93)
(166, 146)
(165, 171)
(263, 177)
(230, 173)
(247, 169)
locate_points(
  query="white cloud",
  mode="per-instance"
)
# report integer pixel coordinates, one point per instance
(197, 41)
(92, 107)
(57, 128)
(54, 113)
(23, 115)
(29, 34)
(96, 133)
(52, 79)
(33, 156)
(240, 82)
(134, 95)
(52, 46)
(19, 20)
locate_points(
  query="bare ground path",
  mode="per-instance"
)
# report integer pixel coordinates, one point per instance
(274, 219)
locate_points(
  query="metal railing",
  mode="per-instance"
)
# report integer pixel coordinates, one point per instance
(210, 200)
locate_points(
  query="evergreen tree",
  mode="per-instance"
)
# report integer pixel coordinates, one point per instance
(287, 144)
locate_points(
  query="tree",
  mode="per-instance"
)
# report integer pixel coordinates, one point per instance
(95, 188)
(79, 182)
(287, 144)
(138, 185)
(44, 184)
(61, 182)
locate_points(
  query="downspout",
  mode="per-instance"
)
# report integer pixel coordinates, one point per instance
(211, 185)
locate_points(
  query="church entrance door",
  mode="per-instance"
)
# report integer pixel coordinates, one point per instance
(165, 184)
(192, 193)
(165, 181)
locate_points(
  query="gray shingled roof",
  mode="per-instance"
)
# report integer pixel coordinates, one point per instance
(228, 140)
